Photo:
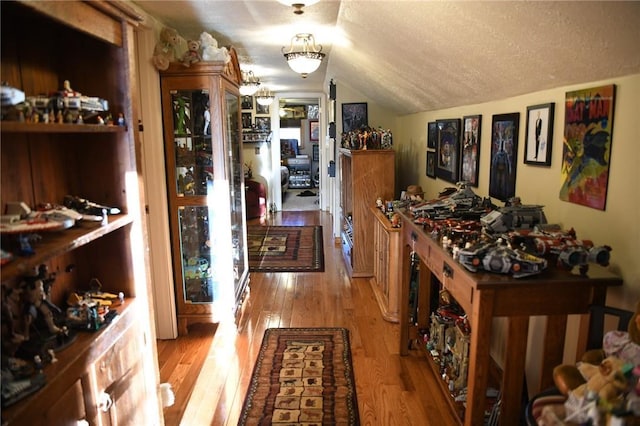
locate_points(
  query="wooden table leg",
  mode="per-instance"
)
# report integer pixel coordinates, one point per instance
(479, 357)
(513, 372)
(552, 349)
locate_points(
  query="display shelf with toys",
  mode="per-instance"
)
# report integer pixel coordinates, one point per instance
(55, 142)
(484, 295)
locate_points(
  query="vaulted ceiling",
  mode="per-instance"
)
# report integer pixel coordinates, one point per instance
(412, 56)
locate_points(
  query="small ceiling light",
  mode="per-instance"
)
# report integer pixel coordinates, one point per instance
(298, 5)
(250, 83)
(305, 58)
(264, 97)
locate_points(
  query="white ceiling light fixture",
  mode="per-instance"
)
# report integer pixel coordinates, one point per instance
(264, 97)
(305, 57)
(250, 83)
(298, 5)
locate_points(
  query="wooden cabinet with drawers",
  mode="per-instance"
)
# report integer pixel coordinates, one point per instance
(364, 176)
(387, 274)
(108, 376)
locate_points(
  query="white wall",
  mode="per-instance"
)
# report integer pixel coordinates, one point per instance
(617, 226)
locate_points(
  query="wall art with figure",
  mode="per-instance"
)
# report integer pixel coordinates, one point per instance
(588, 116)
(539, 135)
(504, 150)
(354, 116)
(470, 164)
(448, 149)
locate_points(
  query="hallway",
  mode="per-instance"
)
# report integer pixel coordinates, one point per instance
(391, 390)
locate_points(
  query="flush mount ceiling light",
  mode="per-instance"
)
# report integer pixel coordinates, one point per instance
(305, 57)
(264, 97)
(250, 83)
(298, 5)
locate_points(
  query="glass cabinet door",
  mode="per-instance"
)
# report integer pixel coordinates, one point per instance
(194, 183)
(236, 187)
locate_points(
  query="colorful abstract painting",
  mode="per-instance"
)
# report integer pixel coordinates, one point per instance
(587, 146)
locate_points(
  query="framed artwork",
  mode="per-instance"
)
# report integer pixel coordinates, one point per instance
(588, 126)
(504, 149)
(448, 149)
(247, 102)
(263, 123)
(470, 163)
(539, 135)
(314, 130)
(354, 116)
(432, 134)
(262, 109)
(247, 120)
(431, 164)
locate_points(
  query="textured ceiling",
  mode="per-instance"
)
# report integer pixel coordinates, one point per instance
(412, 56)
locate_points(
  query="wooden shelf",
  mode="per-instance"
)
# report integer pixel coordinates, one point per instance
(19, 127)
(59, 242)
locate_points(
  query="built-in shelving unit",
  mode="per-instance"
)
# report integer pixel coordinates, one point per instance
(90, 44)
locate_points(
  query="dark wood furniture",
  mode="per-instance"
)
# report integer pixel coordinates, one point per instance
(364, 176)
(485, 296)
(109, 376)
(205, 187)
(256, 197)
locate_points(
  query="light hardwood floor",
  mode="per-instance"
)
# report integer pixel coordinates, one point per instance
(210, 368)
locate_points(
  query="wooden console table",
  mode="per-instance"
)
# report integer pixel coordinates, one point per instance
(554, 293)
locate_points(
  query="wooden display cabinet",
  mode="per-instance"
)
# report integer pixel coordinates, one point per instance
(365, 175)
(108, 376)
(205, 188)
(387, 274)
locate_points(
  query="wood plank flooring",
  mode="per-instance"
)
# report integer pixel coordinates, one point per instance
(210, 368)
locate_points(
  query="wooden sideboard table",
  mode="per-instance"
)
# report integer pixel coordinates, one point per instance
(555, 293)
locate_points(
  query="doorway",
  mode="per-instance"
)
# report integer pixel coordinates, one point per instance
(299, 133)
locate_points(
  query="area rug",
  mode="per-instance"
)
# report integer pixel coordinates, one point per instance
(285, 248)
(303, 376)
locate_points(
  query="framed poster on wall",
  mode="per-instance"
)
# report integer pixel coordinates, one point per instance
(588, 116)
(448, 149)
(470, 163)
(354, 116)
(504, 149)
(539, 135)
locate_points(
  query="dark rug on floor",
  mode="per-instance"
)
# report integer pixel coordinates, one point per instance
(285, 248)
(307, 193)
(302, 376)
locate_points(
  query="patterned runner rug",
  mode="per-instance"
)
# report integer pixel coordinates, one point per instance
(285, 248)
(303, 376)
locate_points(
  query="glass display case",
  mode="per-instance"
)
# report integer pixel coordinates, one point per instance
(205, 181)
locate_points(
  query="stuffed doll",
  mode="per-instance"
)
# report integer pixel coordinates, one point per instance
(165, 50)
(192, 55)
(618, 344)
(607, 380)
(211, 51)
